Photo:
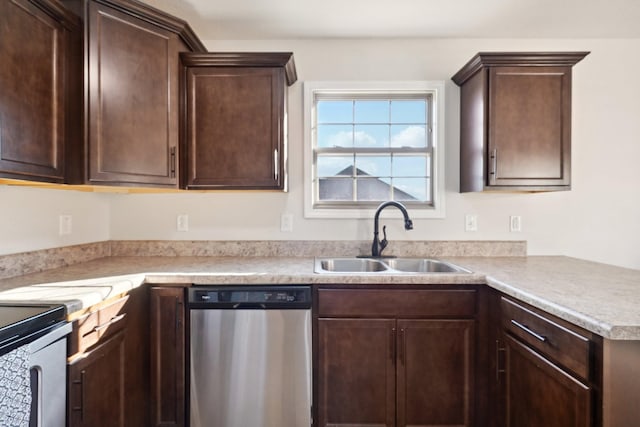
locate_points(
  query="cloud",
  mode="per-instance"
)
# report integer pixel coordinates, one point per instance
(411, 136)
(340, 139)
(348, 138)
(362, 138)
(330, 165)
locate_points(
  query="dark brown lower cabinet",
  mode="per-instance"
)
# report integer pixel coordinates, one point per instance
(435, 363)
(357, 379)
(167, 357)
(539, 393)
(97, 385)
(108, 375)
(390, 371)
(548, 371)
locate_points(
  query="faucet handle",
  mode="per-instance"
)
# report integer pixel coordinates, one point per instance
(384, 242)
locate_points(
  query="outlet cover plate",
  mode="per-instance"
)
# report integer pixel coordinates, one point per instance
(182, 222)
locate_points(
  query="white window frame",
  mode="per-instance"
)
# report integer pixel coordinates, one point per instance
(433, 88)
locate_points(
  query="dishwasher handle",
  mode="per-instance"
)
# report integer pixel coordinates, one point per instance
(249, 306)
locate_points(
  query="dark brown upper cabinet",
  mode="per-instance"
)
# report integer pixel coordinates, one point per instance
(131, 63)
(36, 39)
(515, 121)
(234, 118)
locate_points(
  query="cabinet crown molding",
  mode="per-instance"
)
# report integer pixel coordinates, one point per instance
(243, 59)
(158, 17)
(57, 10)
(516, 59)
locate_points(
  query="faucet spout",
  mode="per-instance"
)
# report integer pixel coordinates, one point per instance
(378, 246)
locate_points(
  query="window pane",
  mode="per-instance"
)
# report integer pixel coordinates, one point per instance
(370, 147)
(376, 166)
(414, 111)
(371, 135)
(410, 166)
(408, 136)
(335, 165)
(371, 111)
(335, 189)
(335, 136)
(335, 111)
(411, 189)
(373, 189)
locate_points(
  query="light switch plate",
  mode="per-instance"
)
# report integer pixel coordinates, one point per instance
(65, 224)
(515, 223)
(471, 222)
(286, 223)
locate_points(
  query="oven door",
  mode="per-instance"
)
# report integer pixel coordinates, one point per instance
(47, 366)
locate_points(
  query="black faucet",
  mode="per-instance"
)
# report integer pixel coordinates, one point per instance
(378, 246)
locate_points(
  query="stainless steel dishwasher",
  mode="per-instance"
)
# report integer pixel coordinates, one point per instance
(250, 356)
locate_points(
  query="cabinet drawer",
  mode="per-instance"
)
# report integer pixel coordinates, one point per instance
(396, 303)
(567, 347)
(105, 321)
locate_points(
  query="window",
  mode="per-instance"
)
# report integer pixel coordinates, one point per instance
(366, 143)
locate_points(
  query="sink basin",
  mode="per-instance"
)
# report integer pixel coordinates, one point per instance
(350, 265)
(423, 265)
(385, 265)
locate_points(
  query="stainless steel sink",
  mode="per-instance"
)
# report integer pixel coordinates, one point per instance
(350, 265)
(353, 265)
(423, 265)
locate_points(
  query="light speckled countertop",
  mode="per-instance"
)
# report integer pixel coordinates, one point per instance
(598, 297)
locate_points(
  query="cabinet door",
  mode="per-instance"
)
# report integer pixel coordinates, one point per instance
(167, 357)
(235, 127)
(97, 386)
(136, 343)
(436, 367)
(356, 372)
(133, 99)
(33, 48)
(529, 126)
(539, 393)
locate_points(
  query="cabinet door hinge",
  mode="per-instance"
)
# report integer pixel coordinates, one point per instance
(80, 383)
(392, 346)
(500, 362)
(403, 346)
(493, 170)
(178, 309)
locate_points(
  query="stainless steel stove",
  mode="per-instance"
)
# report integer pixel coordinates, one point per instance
(33, 344)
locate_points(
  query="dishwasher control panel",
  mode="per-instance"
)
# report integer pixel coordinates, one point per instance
(250, 297)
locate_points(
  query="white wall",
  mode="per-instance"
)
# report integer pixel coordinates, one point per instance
(29, 218)
(598, 220)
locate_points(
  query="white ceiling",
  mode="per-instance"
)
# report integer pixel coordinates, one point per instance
(291, 19)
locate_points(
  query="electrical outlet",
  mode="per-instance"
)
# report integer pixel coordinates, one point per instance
(65, 224)
(182, 222)
(515, 223)
(471, 222)
(286, 223)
